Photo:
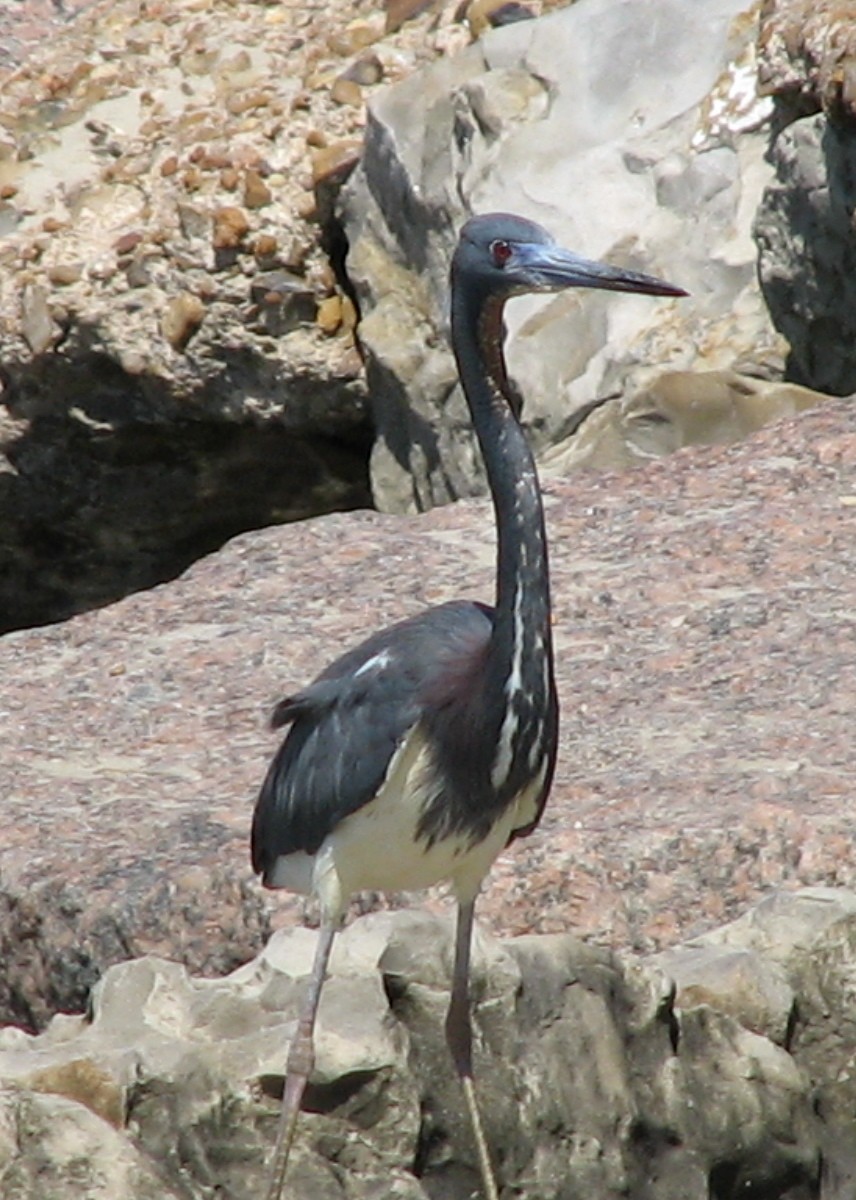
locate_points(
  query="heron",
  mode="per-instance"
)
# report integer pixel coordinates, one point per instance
(418, 756)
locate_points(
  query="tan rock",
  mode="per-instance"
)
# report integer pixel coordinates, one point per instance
(334, 162)
(329, 314)
(230, 227)
(399, 11)
(65, 273)
(181, 319)
(680, 408)
(256, 192)
(346, 91)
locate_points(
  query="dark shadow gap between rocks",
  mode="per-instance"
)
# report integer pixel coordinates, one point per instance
(91, 511)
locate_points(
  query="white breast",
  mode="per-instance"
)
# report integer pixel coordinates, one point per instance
(377, 847)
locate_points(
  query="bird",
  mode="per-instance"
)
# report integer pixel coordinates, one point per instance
(419, 755)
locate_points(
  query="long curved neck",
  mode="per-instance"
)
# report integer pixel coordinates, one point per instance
(522, 581)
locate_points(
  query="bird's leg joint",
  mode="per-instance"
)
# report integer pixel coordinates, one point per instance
(301, 1053)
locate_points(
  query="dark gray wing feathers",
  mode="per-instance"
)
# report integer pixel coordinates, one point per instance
(346, 726)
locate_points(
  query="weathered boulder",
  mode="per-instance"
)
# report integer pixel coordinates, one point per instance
(807, 62)
(703, 630)
(678, 408)
(592, 1079)
(660, 178)
(808, 54)
(52, 1148)
(176, 354)
(807, 257)
(740, 982)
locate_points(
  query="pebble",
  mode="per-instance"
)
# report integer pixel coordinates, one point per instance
(328, 318)
(489, 14)
(265, 246)
(335, 161)
(128, 242)
(284, 300)
(193, 179)
(182, 317)
(346, 91)
(38, 327)
(367, 70)
(230, 227)
(241, 102)
(295, 253)
(256, 192)
(306, 207)
(63, 274)
(399, 11)
(193, 219)
(138, 271)
(354, 37)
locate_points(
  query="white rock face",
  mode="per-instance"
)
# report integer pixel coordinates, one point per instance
(634, 133)
(665, 1079)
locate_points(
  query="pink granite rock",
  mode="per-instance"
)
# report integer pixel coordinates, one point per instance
(703, 620)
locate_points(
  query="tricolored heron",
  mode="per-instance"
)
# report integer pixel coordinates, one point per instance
(416, 757)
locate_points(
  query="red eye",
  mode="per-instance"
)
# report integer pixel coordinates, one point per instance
(501, 252)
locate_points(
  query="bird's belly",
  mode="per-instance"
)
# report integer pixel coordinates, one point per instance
(377, 847)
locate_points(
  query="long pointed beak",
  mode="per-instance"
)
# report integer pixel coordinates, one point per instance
(550, 269)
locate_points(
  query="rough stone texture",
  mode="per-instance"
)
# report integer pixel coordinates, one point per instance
(177, 360)
(594, 1081)
(807, 53)
(809, 937)
(804, 224)
(679, 408)
(807, 251)
(736, 981)
(26, 23)
(52, 1148)
(704, 628)
(531, 119)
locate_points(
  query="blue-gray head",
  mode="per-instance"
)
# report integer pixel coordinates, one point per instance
(502, 255)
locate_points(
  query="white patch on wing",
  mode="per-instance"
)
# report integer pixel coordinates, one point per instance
(378, 662)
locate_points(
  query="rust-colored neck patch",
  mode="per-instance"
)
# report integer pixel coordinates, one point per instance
(490, 333)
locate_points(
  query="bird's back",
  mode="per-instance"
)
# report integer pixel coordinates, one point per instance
(347, 726)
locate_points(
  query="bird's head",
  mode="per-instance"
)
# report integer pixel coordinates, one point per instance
(502, 255)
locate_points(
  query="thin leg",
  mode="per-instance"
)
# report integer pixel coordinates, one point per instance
(459, 1035)
(301, 1059)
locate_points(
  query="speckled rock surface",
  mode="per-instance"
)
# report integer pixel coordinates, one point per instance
(705, 637)
(173, 322)
(26, 23)
(595, 1077)
(808, 53)
(663, 178)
